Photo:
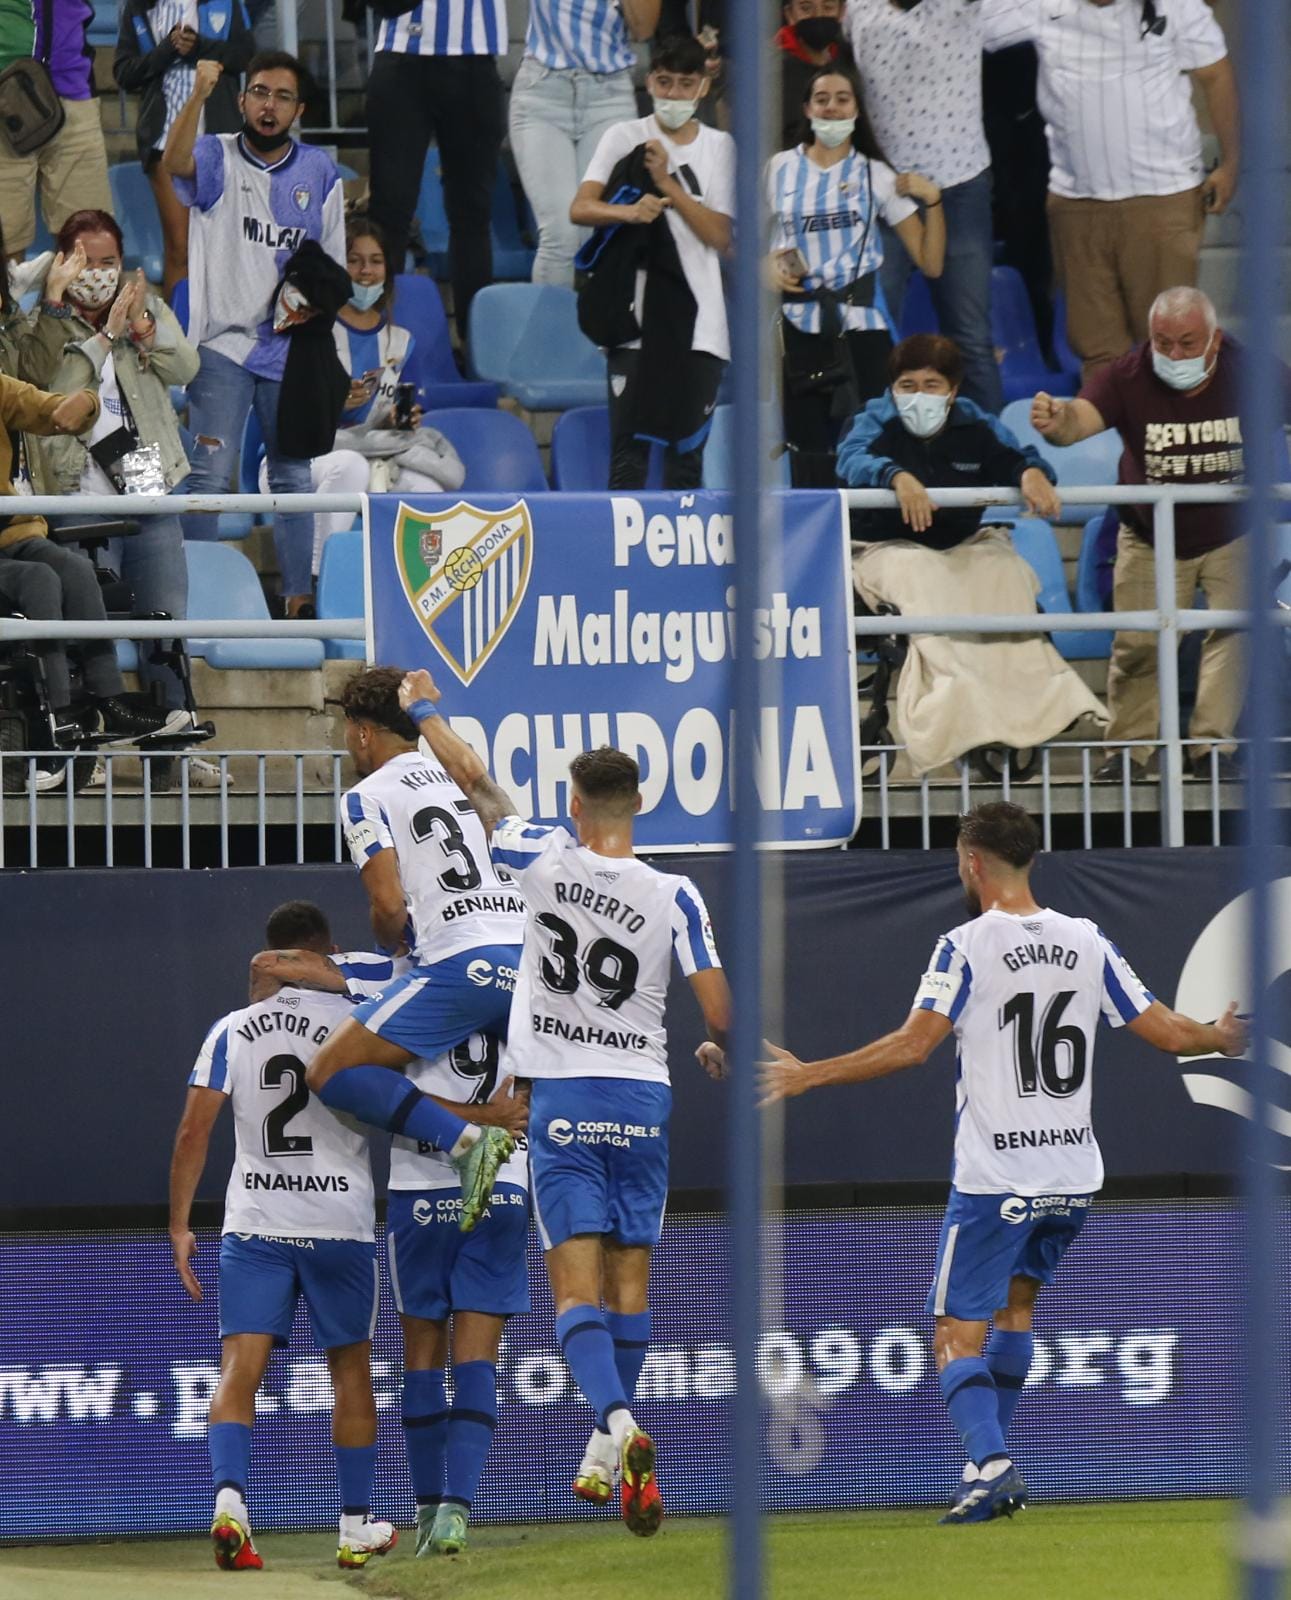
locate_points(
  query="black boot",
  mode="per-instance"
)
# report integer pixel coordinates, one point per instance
(130, 719)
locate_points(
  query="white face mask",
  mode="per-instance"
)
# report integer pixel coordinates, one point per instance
(363, 296)
(923, 414)
(673, 114)
(95, 287)
(833, 133)
(1183, 374)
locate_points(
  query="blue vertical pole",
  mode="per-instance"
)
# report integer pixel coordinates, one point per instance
(1265, 44)
(750, 59)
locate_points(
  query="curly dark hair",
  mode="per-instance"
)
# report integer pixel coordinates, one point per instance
(373, 696)
(1002, 830)
(607, 777)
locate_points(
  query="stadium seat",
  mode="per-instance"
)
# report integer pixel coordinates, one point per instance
(512, 254)
(340, 589)
(1034, 541)
(719, 463)
(179, 303)
(580, 451)
(496, 448)
(419, 307)
(1023, 369)
(102, 31)
(136, 211)
(223, 584)
(918, 314)
(1067, 359)
(1088, 465)
(432, 219)
(525, 337)
(1088, 567)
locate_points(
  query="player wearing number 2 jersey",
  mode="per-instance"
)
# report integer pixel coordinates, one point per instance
(587, 1028)
(1022, 987)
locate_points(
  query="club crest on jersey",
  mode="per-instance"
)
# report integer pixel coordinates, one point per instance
(464, 572)
(300, 196)
(217, 20)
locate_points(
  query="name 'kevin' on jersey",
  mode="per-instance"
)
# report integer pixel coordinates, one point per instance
(1025, 994)
(601, 936)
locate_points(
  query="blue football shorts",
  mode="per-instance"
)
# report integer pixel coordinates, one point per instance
(261, 1280)
(436, 1269)
(431, 1009)
(598, 1158)
(987, 1239)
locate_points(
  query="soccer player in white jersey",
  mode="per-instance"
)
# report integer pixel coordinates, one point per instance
(1022, 987)
(298, 1220)
(421, 854)
(588, 1032)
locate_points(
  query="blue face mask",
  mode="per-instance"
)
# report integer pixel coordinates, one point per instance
(1183, 374)
(363, 296)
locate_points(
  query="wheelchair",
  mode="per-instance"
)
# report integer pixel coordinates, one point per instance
(27, 720)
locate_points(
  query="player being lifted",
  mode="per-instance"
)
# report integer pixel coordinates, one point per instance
(588, 1031)
(420, 848)
(1022, 988)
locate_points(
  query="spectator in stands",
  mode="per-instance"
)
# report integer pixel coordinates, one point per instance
(1174, 402)
(574, 83)
(665, 370)
(70, 168)
(826, 198)
(118, 340)
(920, 67)
(160, 44)
(1127, 194)
(811, 38)
(434, 75)
(962, 692)
(256, 196)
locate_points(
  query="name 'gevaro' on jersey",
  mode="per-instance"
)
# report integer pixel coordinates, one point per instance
(1025, 994)
(298, 1171)
(458, 898)
(600, 939)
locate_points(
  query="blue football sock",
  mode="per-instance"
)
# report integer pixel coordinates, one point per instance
(1008, 1355)
(631, 1334)
(356, 1466)
(230, 1447)
(425, 1430)
(970, 1395)
(589, 1354)
(385, 1099)
(470, 1428)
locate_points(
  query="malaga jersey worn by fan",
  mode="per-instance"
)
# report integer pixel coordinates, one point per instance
(1025, 994)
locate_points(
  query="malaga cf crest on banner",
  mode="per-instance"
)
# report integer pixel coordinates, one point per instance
(464, 572)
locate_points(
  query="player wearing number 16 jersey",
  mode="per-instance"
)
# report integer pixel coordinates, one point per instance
(1022, 987)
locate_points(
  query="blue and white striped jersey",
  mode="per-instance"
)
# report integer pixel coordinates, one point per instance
(447, 28)
(600, 937)
(586, 34)
(831, 215)
(1025, 994)
(367, 973)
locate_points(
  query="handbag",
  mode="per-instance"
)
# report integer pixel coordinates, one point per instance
(31, 112)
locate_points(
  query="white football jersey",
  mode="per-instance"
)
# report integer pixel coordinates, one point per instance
(458, 898)
(1025, 994)
(469, 1074)
(599, 940)
(298, 1171)
(367, 973)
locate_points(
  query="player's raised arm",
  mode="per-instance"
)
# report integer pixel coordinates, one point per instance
(192, 1140)
(1180, 1035)
(417, 696)
(907, 1046)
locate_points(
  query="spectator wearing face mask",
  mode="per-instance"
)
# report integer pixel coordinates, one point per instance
(1174, 400)
(811, 38)
(826, 198)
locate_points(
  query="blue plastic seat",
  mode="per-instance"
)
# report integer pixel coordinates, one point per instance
(525, 337)
(1034, 541)
(1090, 464)
(580, 451)
(496, 448)
(340, 589)
(512, 254)
(136, 211)
(1023, 369)
(719, 463)
(222, 584)
(102, 31)
(432, 219)
(1067, 359)
(918, 314)
(179, 303)
(419, 307)
(1088, 592)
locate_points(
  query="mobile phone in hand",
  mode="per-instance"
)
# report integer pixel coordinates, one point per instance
(405, 398)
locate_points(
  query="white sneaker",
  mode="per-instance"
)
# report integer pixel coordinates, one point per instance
(357, 1546)
(206, 774)
(595, 1478)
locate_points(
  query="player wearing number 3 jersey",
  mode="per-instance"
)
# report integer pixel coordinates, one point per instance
(1022, 987)
(587, 1028)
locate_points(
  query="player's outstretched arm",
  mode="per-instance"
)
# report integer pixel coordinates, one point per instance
(417, 695)
(907, 1046)
(1179, 1035)
(192, 1140)
(507, 1107)
(272, 970)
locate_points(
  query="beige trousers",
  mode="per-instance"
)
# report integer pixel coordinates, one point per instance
(71, 171)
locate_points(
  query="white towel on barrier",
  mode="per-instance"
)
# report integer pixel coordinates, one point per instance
(958, 692)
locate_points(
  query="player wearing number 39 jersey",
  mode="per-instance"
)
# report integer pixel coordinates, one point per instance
(1022, 987)
(587, 1030)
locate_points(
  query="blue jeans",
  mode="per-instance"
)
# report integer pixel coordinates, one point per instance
(220, 398)
(558, 116)
(962, 295)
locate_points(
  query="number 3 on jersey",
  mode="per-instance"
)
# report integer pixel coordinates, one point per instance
(434, 822)
(1054, 1061)
(606, 966)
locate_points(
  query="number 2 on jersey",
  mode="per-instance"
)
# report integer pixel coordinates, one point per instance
(1037, 1061)
(606, 966)
(277, 1141)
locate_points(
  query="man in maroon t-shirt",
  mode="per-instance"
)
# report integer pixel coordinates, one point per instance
(1174, 402)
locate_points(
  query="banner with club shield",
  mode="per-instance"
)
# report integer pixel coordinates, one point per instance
(562, 621)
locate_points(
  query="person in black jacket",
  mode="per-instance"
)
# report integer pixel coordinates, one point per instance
(922, 434)
(157, 52)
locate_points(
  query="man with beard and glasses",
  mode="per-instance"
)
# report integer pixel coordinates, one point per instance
(1022, 988)
(255, 198)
